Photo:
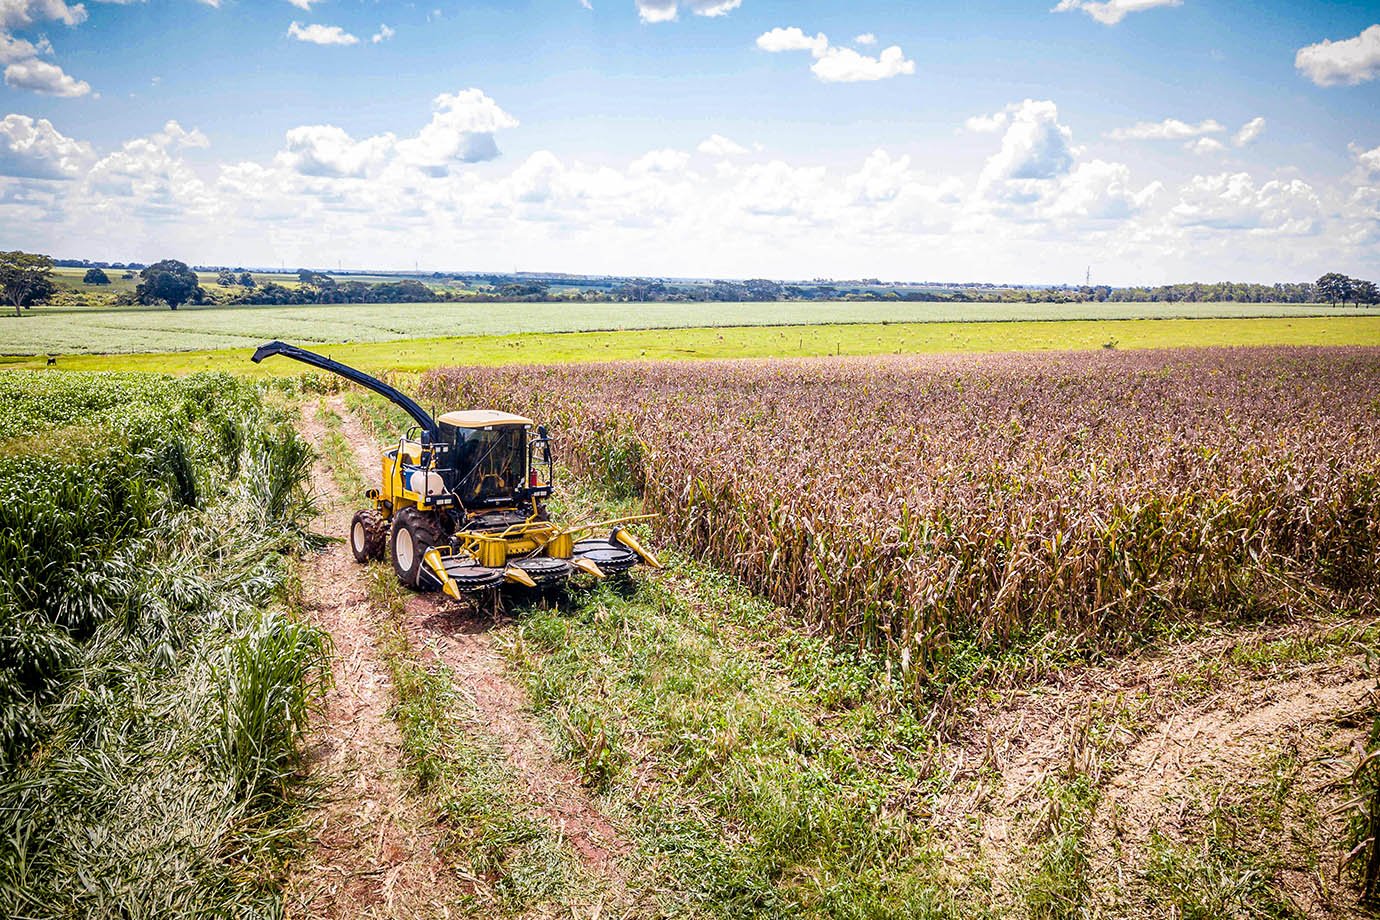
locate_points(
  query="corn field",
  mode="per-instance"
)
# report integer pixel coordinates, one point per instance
(153, 693)
(914, 505)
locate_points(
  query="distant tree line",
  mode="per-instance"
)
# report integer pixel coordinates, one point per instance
(84, 263)
(316, 287)
(26, 279)
(761, 290)
(1222, 291)
(227, 278)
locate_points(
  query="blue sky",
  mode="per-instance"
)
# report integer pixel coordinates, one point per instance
(999, 140)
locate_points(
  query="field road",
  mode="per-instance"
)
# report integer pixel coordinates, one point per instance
(376, 840)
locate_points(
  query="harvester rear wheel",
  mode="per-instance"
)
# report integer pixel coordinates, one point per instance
(368, 535)
(413, 534)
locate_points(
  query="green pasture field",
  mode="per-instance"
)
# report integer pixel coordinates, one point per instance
(87, 330)
(70, 279)
(758, 342)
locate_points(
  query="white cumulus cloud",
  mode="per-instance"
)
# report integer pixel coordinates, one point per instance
(1036, 177)
(834, 64)
(844, 65)
(34, 149)
(304, 5)
(1101, 191)
(317, 34)
(1171, 129)
(1249, 131)
(1368, 161)
(716, 145)
(1351, 61)
(146, 178)
(1111, 12)
(326, 150)
(1204, 145)
(987, 124)
(461, 130)
(867, 38)
(1035, 207)
(24, 66)
(668, 10)
(660, 161)
(1233, 202)
(881, 178)
(1035, 148)
(175, 136)
(792, 39)
(383, 34)
(45, 78)
(17, 14)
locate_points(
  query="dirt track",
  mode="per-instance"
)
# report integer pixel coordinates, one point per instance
(374, 851)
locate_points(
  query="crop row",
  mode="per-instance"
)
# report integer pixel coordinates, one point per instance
(152, 692)
(923, 506)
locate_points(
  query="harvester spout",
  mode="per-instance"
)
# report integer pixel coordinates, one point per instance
(420, 415)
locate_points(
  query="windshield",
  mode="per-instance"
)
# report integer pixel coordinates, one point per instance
(489, 463)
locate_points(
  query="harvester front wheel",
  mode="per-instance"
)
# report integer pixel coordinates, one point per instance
(413, 534)
(368, 535)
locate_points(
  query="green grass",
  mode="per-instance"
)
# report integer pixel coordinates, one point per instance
(1057, 885)
(493, 834)
(82, 330)
(412, 355)
(1225, 863)
(763, 773)
(760, 771)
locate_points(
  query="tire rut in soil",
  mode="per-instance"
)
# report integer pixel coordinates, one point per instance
(1154, 740)
(458, 636)
(373, 848)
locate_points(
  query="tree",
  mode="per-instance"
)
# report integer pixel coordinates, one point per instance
(25, 279)
(1366, 292)
(226, 277)
(169, 281)
(1334, 287)
(95, 276)
(308, 278)
(246, 280)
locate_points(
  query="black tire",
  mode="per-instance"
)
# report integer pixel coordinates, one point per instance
(368, 535)
(413, 534)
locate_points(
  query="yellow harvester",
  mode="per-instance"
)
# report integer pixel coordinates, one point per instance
(461, 502)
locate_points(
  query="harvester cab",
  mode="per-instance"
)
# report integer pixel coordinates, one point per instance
(461, 502)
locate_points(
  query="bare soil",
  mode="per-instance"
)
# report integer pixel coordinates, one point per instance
(374, 848)
(1151, 732)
